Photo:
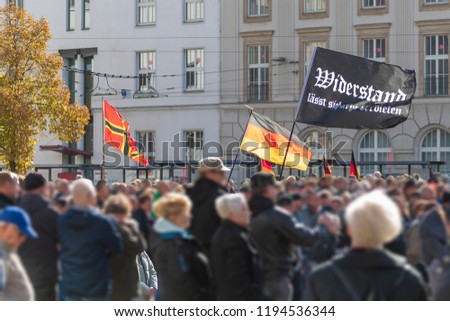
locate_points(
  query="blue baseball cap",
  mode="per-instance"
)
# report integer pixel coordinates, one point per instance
(17, 216)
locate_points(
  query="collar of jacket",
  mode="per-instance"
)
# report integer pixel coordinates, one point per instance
(232, 224)
(259, 204)
(6, 199)
(168, 230)
(372, 258)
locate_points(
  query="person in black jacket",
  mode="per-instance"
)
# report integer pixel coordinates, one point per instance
(276, 235)
(40, 255)
(210, 185)
(182, 266)
(9, 189)
(368, 271)
(236, 265)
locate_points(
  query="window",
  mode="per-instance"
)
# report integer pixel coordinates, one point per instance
(86, 23)
(258, 73)
(373, 7)
(430, 5)
(374, 147)
(257, 10)
(314, 6)
(194, 145)
(435, 1)
(146, 143)
(367, 4)
(194, 69)
(17, 3)
(194, 10)
(374, 49)
(308, 52)
(316, 142)
(70, 15)
(146, 70)
(69, 77)
(436, 65)
(436, 147)
(146, 12)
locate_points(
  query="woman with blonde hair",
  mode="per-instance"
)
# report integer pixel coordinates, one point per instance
(183, 268)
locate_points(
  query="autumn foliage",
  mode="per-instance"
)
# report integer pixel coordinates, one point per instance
(33, 97)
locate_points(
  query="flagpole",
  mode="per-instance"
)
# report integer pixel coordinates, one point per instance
(287, 150)
(240, 141)
(102, 172)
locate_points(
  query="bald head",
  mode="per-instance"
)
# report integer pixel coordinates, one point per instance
(83, 192)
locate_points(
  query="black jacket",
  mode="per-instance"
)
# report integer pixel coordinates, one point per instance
(433, 236)
(40, 255)
(124, 270)
(369, 275)
(276, 235)
(205, 219)
(236, 265)
(5, 201)
(183, 268)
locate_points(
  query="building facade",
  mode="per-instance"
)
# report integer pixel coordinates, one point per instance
(268, 48)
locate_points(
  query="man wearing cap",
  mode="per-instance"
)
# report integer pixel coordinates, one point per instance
(40, 255)
(276, 234)
(9, 189)
(15, 227)
(210, 185)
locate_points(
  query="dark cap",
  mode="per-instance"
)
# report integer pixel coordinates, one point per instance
(284, 199)
(33, 181)
(262, 179)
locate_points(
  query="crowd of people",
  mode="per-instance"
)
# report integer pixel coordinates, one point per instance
(327, 238)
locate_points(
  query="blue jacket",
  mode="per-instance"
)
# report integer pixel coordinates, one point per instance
(88, 239)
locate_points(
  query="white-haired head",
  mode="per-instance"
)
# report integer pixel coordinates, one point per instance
(83, 192)
(233, 207)
(373, 220)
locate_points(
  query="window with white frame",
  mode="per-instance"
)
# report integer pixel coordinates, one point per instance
(146, 70)
(70, 15)
(146, 12)
(146, 143)
(258, 73)
(308, 48)
(435, 1)
(368, 4)
(315, 6)
(86, 14)
(374, 147)
(436, 147)
(194, 144)
(194, 10)
(316, 143)
(436, 65)
(258, 8)
(374, 49)
(194, 69)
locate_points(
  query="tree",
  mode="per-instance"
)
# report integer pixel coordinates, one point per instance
(33, 97)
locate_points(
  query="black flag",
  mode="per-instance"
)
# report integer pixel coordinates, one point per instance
(346, 91)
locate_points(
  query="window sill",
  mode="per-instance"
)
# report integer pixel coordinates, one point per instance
(193, 90)
(194, 21)
(146, 24)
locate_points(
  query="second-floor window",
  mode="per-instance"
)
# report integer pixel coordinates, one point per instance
(315, 6)
(70, 15)
(258, 8)
(86, 14)
(435, 1)
(368, 4)
(146, 143)
(194, 69)
(436, 65)
(194, 10)
(374, 49)
(146, 70)
(146, 12)
(258, 73)
(194, 144)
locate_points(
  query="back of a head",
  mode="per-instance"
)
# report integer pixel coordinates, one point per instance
(6, 177)
(373, 219)
(83, 192)
(229, 203)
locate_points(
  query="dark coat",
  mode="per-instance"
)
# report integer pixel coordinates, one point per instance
(124, 270)
(370, 275)
(276, 235)
(236, 265)
(40, 255)
(142, 218)
(205, 219)
(183, 268)
(5, 201)
(88, 239)
(433, 236)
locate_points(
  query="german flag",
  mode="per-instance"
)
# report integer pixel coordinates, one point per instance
(117, 134)
(267, 167)
(326, 167)
(268, 140)
(354, 170)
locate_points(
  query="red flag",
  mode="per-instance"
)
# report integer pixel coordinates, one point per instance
(117, 134)
(266, 166)
(326, 167)
(354, 170)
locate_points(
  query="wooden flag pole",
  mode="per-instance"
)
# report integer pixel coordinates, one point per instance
(240, 141)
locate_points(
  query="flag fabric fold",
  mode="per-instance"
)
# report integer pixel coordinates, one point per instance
(326, 167)
(117, 134)
(354, 170)
(266, 139)
(267, 167)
